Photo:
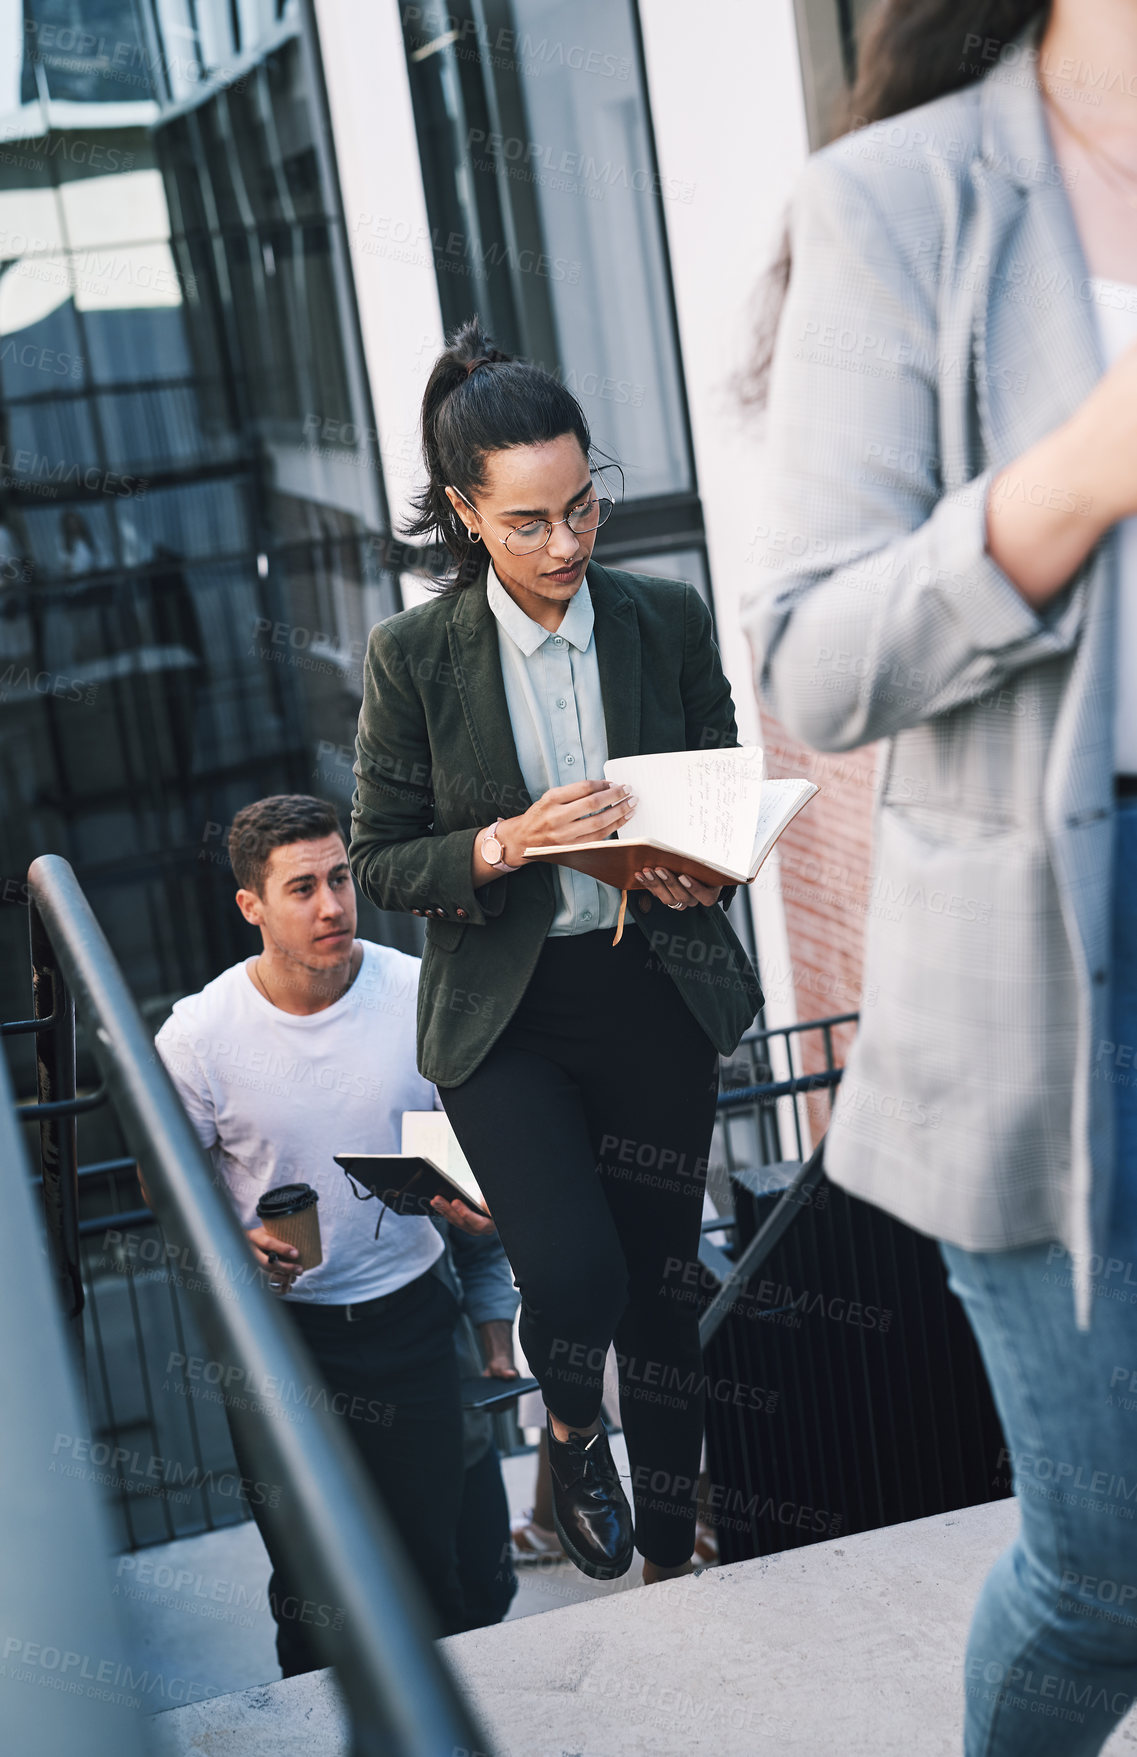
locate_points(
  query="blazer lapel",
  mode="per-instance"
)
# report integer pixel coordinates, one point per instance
(477, 671)
(1038, 356)
(1037, 351)
(617, 635)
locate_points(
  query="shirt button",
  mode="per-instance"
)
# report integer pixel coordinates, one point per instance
(416, 911)
(461, 914)
(440, 911)
(558, 640)
(561, 703)
(570, 759)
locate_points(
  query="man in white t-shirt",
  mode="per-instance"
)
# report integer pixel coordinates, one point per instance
(282, 1061)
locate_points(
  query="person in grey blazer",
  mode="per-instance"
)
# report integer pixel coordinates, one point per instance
(949, 568)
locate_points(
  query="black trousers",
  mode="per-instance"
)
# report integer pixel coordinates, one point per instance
(392, 1376)
(485, 1566)
(588, 1126)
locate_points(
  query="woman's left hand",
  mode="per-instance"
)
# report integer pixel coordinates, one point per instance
(677, 890)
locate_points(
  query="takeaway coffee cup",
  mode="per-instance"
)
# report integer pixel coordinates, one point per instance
(290, 1212)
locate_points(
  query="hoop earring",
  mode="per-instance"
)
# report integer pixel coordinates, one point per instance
(474, 536)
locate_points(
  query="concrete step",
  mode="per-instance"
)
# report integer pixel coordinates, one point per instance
(852, 1648)
(196, 1614)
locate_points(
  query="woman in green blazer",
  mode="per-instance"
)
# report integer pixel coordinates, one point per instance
(579, 1073)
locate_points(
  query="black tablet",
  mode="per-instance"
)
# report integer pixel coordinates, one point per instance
(494, 1393)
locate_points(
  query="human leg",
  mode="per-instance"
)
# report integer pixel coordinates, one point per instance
(651, 1115)
(484, 1565)
(520, 1121)
(394, 1386)
(393, 1376)
(1052, 1654)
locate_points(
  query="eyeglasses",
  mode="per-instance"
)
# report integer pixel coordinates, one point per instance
(526, 539)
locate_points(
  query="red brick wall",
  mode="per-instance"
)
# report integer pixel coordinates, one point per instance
(825, 857)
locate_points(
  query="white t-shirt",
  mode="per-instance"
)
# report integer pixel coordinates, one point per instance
(1116, 305)
(273, 1095)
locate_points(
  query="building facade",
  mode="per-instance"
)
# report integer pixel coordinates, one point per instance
(233, 234)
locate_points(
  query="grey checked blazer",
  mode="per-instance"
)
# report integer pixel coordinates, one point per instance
(937, 324)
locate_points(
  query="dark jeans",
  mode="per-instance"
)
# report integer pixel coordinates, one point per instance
(393, 1377)
(588, 1126)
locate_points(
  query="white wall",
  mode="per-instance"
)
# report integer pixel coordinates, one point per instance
(726, 100)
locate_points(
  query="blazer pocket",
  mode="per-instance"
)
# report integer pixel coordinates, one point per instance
(445, 936)
(953, 825)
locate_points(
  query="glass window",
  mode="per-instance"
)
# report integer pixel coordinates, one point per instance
(85, 52)
(545, 207)
(193, 532)
(677, 564)
(579, 142)
(123, 204)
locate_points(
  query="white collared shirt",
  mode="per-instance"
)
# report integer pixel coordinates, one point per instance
(552, 689)
(1115, 305)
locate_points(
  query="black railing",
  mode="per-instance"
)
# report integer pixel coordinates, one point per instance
(399, 1693)
(762, 1108)
(140, 1337)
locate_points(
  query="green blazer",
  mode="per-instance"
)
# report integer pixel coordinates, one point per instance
(436, 763)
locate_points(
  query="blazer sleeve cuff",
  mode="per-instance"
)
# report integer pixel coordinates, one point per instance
(452, 883)
(998, 617)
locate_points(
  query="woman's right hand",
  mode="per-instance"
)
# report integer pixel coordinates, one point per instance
(1047, 509)
(584, 811)
(1106, 425)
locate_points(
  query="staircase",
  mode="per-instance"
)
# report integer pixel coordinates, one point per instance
(852, 1648)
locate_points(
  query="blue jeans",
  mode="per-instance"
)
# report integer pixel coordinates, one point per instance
(1052, 1655)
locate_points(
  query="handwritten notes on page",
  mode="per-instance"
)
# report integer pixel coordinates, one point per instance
(702, 803)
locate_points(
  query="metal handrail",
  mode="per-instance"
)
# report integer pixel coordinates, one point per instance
(733, 1274)
(738, 1095)
(793, 1198)
(30, 1113)
(401, 1697)
(765, 1032)
(53, 1011)
(55, 1586)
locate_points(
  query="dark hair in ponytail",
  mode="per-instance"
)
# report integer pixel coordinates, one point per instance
(909, 52)
(479, 400)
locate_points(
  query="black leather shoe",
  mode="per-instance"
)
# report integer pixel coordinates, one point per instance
(590, 1510)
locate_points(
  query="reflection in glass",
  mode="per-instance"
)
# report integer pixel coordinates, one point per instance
(192, 526)
(689, 565)
(594, 183)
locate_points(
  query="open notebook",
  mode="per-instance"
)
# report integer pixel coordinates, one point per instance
(430, 1164)
(708, 813)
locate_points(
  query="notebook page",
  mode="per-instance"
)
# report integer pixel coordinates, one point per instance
(781, 800)
(428, 1135)
(701, 802)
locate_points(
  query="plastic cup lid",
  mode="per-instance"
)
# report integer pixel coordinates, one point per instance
(286, 1199)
